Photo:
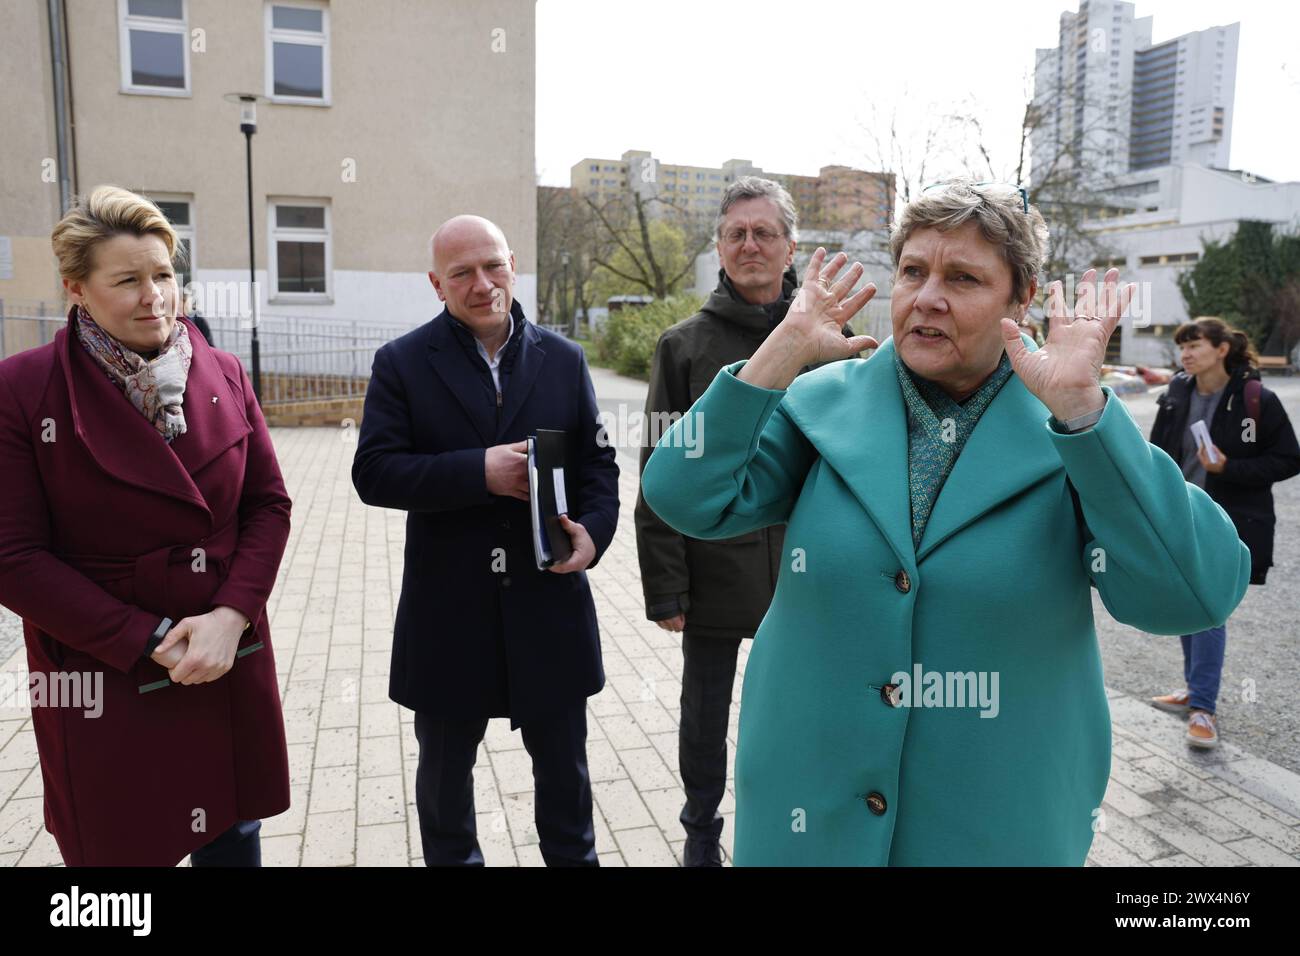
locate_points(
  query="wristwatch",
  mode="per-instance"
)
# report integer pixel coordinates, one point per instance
(157, 636)
(1083, 421)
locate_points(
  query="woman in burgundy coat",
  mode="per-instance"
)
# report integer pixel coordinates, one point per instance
(142, 522)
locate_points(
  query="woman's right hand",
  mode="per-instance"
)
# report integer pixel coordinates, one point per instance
(813, 330)
(169, 655)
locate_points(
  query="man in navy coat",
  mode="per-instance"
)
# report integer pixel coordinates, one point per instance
(480, 631)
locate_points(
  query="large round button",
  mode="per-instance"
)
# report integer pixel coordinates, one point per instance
(902, 581)
(876, 803)
(891, 694)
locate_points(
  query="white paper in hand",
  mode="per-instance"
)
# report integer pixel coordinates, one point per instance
(561, 502)
(1202, 436)
(541, 547)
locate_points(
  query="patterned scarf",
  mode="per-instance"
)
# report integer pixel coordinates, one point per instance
(937, 429)
(156, 387)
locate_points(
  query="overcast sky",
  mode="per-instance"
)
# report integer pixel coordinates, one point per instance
(793, 86)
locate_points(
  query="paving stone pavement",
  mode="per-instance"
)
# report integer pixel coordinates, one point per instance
(353, 752)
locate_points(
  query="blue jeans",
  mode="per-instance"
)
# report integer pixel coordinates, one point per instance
(241, 845)
(1203, 665)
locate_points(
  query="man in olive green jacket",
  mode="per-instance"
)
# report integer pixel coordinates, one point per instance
(716, 592)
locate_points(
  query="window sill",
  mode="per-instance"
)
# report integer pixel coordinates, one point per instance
(155, 91)
(300, 298)
(298, 101)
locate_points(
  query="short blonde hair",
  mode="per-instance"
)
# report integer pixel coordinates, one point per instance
(106, 212)
(1019, 235)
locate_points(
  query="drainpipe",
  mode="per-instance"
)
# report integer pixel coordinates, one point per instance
(62, 131)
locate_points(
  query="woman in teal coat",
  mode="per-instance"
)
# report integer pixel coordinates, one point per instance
(910, 698)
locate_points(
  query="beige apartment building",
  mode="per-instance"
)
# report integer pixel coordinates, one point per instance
(838, 198)
(379, 119)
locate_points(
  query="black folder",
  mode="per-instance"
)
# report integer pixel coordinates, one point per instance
(160, 684)
(547, 497)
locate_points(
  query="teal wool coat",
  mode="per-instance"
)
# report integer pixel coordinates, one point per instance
(830, 770)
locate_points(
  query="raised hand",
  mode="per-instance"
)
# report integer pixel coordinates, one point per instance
(813, 329)
(1064, 373)
(820, 309)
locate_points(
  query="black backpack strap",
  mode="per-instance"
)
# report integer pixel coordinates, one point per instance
(1254, 389)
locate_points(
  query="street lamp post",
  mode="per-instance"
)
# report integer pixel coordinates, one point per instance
(573, 316)
(248, 126)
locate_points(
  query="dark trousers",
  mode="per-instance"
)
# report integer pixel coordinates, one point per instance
(444, 788)
(708, 673)
(241, 845)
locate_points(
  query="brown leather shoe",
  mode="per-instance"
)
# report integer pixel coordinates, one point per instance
(1201, 731)
(1175, 703)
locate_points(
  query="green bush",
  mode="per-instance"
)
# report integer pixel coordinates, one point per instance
(1240, 280)
(627, 340)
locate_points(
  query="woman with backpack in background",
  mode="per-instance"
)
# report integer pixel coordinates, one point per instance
(1254, 446)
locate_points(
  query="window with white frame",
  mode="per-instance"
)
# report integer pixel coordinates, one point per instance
(178, 211)
(154, 45)
(300, 249)
(297, 52)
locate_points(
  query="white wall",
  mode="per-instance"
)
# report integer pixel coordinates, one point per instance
(1209, 196)
(707, 264)
(380, 298)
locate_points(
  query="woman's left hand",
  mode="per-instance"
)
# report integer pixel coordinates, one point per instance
(1064, 373)
(1213, 468)
(213, 639)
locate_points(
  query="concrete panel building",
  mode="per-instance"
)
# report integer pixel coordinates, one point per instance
(1113, 101)
(838, 198)
(381, 119)
(1183, 92)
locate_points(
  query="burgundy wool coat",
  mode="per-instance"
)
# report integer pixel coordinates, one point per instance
(104, 530)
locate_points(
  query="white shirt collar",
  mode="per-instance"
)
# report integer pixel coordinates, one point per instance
(494, 362)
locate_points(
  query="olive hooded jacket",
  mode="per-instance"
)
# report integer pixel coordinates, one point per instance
(723, 587)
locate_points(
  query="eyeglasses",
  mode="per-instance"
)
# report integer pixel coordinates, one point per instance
(1009, 187)
(764, 237)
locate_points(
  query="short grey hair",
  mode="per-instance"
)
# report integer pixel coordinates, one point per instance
(756, 187)
(1020, 236)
